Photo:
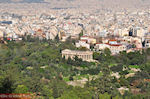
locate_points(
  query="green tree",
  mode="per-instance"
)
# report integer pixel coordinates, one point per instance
(21, 89)
(83, 49)
(58, 87)
(123, 81)
(104, 83)
(71, 78)
(92, 47)
(145, 87)
(123, 58)
(104, 96)
(133, 46)
(96, 55)
(57, 38)
(47, 92)
(7, 85)
(117, 97)
(107, 52)
(148, 51)
(69, 95)
(146, 67)
(81, 33)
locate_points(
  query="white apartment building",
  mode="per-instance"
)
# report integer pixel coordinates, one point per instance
(114, 47)
(83, 43)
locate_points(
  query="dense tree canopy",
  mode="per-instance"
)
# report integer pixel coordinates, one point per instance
(36, 66)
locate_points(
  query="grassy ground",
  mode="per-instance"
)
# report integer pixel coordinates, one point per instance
(134, 66)
(66, 79)
(111, 65)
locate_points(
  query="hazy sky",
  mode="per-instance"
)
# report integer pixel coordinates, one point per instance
(28, 1)
(135, 4)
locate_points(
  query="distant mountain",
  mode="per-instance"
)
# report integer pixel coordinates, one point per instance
(112, 4)
(79, 1)
(38, 1)
(5, 1)
(101, 3)
(32, 1)
(21, 1)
